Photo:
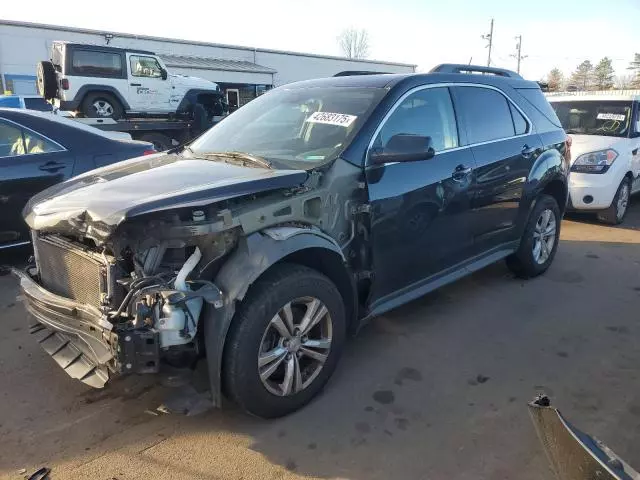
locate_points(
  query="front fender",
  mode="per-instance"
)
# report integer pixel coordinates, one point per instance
(253, 256)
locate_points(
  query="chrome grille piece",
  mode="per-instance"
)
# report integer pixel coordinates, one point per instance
(68, 270)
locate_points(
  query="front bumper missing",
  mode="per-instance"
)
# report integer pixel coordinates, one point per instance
(81, 341)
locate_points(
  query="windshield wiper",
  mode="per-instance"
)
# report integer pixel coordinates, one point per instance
(239, 157)
(573, 132)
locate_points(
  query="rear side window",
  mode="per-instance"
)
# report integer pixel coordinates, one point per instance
(519, 122)
(536, 98)
(16, 141)
(39, 104)
(487, 114)
(90, 62)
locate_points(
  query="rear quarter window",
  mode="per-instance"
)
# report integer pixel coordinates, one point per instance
(537, 99)
(96, 63)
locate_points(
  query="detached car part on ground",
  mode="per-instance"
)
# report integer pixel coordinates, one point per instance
(574, 455)
(605, 164)
(268, 240)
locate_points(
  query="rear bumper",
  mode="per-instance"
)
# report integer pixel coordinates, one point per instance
(81, 340)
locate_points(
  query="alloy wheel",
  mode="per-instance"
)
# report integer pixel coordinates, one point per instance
(295, 346)
(544, 236)
(103, 108)
(623, 201)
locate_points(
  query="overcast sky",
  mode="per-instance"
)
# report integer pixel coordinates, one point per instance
(558, 33)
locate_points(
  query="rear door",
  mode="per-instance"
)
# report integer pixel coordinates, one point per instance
(504, 147)
(148, 91)
(419, 210)
(29, 163)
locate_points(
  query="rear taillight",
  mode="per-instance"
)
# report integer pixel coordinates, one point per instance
(149, 152)
(64, 83)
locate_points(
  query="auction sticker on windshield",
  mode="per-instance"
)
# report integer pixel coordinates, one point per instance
(340, 119)
(612, 116)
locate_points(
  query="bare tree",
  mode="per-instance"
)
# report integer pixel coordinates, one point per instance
(623, 82)
(354, 43)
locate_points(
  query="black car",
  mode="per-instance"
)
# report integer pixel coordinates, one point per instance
(38, 150)
(285, 227)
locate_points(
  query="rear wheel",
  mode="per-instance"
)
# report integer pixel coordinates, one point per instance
(101, 105)
(539, 241)
(285, 341)
(618, 208)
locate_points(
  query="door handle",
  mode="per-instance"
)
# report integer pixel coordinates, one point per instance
(461, 172)
(135, 84)
(51, 166)
(4, 198)
(634, 151)
(527, 151)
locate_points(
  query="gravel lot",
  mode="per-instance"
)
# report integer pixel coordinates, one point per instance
(436, 389)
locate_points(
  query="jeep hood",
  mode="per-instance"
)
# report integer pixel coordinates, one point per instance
(187, 81)
(95, 203)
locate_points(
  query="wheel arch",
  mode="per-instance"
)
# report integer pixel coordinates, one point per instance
(253, 257)
(85, 90)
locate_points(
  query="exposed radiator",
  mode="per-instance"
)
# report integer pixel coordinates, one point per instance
(70, 271)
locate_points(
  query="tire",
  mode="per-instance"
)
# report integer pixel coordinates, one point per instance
(111, 107)
(160, 142)
(616, 212)
(46, 80)
(533, 258)
(252, 329)
(200, 119)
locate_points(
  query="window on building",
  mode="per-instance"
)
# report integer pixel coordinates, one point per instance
(92, 62)
(142, 66)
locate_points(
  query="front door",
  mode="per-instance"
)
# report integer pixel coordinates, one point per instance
(420, 211)
(29, 163)
(148, 91)
(505, 149)
(233, 99)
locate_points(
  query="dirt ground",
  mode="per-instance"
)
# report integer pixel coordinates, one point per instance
(436, 389)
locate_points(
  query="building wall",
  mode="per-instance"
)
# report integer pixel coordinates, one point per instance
(23, 45)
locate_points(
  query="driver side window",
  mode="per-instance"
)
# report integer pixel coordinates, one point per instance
(145, 67)
(428, 113)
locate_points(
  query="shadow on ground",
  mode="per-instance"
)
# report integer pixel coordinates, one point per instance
(435, 389)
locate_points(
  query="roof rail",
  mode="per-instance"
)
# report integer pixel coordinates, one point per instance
(461, 68)
(349, 73)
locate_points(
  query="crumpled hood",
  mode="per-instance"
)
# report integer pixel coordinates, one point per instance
(95, 203)
(592, 143)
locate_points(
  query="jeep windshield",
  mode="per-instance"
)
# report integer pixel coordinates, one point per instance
(606, 118)
(296, 128)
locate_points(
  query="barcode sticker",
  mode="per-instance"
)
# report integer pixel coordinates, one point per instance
(612, 116)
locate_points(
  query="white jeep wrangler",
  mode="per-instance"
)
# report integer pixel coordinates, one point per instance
(109, 82)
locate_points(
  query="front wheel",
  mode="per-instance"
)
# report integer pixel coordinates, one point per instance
(285, 341)
(539, 241)
(614, 215)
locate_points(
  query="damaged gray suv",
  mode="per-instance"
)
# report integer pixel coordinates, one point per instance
(268, 240)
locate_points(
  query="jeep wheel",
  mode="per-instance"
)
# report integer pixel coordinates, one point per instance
(540, 240)
(614, 215)
(101, 105)
(46, 81)
(285, 341)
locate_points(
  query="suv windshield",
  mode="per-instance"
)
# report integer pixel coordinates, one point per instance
(607, 118)
(300, 128)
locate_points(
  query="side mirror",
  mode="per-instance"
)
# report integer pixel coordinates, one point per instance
(163, 73)
(404, 148)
